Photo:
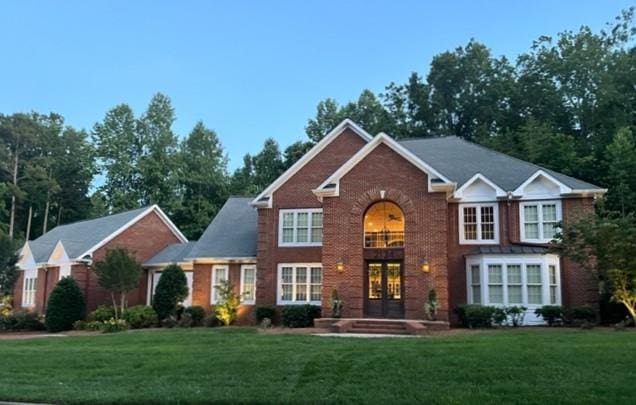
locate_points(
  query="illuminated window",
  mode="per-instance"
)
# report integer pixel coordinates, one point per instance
(29, 288)
(383, 226)
(301, 227)
(299, 283)
(248, 284)
(540, 221)
(478, 223)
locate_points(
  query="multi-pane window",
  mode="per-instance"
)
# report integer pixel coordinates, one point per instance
(554, 291)
(219, 274)
(533, 284)
(514, 284)
(248, 284)
(540, 220)
(495, 284)
(478, 223)
(475, 283)
(299, 283)
(28, 291)
(300, 227)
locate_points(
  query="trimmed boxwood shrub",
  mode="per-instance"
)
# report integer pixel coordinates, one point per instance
(141, 316)
(197, 314)
(300, 316)
(581, 314)
(264, 311)
(552, 314)
(477, 316)
(21, 320)
(101, 314)
(65, 306)
(172, 288)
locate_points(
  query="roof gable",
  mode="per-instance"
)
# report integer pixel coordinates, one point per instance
(264, 199)
(479, 188)
(26, 259)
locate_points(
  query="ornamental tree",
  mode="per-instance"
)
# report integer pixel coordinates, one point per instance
(65, 306)
(119, 272)
(172, 289)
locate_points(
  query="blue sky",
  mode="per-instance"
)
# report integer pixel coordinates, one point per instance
(248, 69)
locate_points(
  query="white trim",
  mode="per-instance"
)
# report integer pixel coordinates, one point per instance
(30, 277)
(315, 150)
(155, 208)
(295, 212)
(294, 266)
(216, 267)
(26, 260)
(543, 260)
(522, 219)
(150, 289)
(520, 191)
(242, 289)
(460, 192)
(224, 260)
(379, 139)
(479, 240)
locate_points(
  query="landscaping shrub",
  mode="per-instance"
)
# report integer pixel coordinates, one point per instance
(141, 316)
(172, 288)
(516, 314)
(552, 314)
(185, 321)
(212, 321)
(264, 311)
(499, 316)
(227, 302)
(21, 320)
(65, 306)
(169, 322)
(197, 314)
(102, 313)
(476, 316)
(581, 314)
(300, 316)
(114, 325)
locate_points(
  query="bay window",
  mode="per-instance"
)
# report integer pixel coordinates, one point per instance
(478, 223)
(540, 221)
(299, 283)
(300, 227)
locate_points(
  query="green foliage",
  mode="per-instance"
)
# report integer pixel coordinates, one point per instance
(516, 315)
(476, 316)
(8, 269)
(102, 313)
(65, 306)
(227, 303)
(264, 311)
(621, 162)
(300, 316)
(141, 316)
(196, 313)
(335, 303)
(552, 314)
(172, 289)
(119, 272)
(431, 306)
(113, 326)
(580, 314)
(21, 320)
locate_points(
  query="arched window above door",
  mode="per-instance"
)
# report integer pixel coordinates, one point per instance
(383, 226)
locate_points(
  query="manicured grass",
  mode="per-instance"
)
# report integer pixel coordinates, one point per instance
(206, 365)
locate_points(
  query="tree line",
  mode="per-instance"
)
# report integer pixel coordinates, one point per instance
(568, 103)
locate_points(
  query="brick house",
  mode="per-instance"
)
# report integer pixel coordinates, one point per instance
(384, 222)
(69, 250)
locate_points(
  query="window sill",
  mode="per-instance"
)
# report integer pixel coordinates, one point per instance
(300, 244)
(298, 303)
(479, 242)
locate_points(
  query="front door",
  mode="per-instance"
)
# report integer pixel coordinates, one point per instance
(384, 292)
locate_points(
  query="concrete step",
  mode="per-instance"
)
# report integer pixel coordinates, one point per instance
(379, 325)
(379, 331)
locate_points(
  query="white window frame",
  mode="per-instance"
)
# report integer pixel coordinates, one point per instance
(30, 281)
(557, 285)
(539, 204)
(245, 267)
(479, 240)
(215, 268)
(295, 212)
(524, 260)
(294, 266)
(156, 274)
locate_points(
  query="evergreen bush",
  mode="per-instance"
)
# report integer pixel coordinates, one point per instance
(65, 306)
(171, 290)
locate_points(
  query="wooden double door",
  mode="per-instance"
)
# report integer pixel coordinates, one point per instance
(384, 289)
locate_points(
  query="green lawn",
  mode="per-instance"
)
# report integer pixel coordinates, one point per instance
(206, 365)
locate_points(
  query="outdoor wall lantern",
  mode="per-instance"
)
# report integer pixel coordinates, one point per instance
(340, 266)
(424, 265)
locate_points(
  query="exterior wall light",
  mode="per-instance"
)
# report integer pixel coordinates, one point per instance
(425, 266)
(340, 266)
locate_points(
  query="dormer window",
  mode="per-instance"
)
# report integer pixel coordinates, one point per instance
(539, 221)
(300, 227)
(478, 224)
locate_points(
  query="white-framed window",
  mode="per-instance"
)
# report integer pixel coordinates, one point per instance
(154, 277)
(220, 273)
(29, 288)
(299, 283)
(248, 283)
(539, 220)
(478, 224)
(528, 280)
(300, 227)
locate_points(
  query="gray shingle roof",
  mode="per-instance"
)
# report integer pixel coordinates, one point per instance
(173, 253)
(78, 237)
(510, 250)
(232, 233)
(459, 160)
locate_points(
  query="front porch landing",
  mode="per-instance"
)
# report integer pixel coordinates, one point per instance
(380, 325)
